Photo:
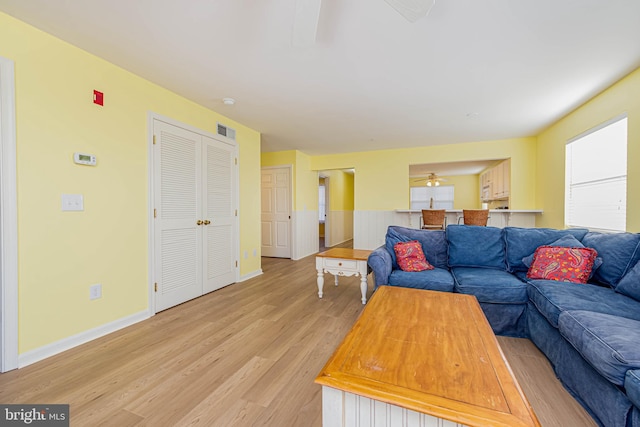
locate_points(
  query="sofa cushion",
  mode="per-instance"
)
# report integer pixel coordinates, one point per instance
(619, 252)
(570, 242)
(494, 286)
(551, 298)
(472, 246)
(562, 264)
(632, 386)
(611, 344)
(434, 243)
(392, 238)
(522, 242)
(410, 256)
(630, 283)
(438, 279)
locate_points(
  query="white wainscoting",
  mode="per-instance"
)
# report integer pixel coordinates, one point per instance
(370, 227)
(340, 226)
(306, 231)
(343, 409)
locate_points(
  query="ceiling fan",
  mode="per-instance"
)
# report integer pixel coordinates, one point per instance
(307, 14)
(432, 180)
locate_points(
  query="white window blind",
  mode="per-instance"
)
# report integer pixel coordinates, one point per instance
(596, 178)
(442, 197)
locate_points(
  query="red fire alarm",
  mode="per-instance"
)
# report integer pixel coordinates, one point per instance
(98, 97)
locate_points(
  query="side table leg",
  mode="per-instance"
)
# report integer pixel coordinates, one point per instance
(336, 276)
(320, 282)
(363, 287)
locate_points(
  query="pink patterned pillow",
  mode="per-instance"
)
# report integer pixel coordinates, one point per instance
(410, 256)
(562, 264)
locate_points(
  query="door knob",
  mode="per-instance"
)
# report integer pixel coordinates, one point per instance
(199, 222)
(206, 222)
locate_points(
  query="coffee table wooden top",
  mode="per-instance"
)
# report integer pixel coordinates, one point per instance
(431, 352)
(345, 253)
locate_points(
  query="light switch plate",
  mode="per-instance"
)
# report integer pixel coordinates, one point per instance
(72, 202)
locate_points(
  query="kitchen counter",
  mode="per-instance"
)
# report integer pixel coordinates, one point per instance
(497, 217)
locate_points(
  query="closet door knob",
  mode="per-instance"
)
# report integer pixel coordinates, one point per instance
(199, 222)
(206, 222)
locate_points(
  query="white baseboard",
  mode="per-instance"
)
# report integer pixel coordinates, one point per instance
(64, 344)
(250, 275)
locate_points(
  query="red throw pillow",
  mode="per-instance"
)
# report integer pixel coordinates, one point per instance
(562, 264)
(410, 256)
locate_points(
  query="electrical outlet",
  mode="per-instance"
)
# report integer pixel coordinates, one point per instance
(95, 291)
(246, 254)
(255, 252)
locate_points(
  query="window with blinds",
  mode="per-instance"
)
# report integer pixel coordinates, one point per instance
(442, 197)
(596, 178)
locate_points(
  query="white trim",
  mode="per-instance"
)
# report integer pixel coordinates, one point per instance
(598, 127)
(8, 219)
(328, 224)
(251, 275)
(236, 227)
(64, 344)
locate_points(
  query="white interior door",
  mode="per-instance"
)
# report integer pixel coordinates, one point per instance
(178, 204)
(195, 209)
(220, 214)
(276, 212)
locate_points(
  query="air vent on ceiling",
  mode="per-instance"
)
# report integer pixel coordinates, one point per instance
(226, 131)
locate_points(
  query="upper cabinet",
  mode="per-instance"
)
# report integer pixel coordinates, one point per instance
(495, 183)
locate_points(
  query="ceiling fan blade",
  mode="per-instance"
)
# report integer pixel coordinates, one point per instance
(412, 10)
(305, 22)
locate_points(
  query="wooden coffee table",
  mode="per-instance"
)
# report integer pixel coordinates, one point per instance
(343, 262)
(421, 356)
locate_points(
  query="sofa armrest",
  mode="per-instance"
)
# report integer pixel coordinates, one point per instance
(380, 262)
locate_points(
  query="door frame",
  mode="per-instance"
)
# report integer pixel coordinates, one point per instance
(151, 117)
(8, 220)
(327, 209)
(292, 228)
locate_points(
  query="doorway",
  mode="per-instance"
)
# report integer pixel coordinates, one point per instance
(338, 202)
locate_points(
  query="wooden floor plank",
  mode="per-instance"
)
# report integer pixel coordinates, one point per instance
(244, 355)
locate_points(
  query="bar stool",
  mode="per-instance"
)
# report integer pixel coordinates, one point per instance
(475, 217)
(433, 219)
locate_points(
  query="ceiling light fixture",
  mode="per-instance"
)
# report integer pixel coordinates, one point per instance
(433, 180)
(228, 101)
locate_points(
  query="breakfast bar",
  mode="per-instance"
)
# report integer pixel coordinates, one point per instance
(497, 217)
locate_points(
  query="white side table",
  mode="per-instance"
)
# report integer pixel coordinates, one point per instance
(343, 262)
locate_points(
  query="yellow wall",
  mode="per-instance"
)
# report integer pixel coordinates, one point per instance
(60, 254)
(305, 181)
(466, 193)
(381, 177)
(340, 191)
(624, 96)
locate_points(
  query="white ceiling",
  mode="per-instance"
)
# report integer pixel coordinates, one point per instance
(472, 70)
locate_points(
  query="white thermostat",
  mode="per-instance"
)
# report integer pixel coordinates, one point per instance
(84, 159)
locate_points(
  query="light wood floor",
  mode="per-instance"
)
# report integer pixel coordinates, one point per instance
(241, 356)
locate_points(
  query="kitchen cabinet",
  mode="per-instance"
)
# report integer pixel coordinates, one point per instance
(495, 183)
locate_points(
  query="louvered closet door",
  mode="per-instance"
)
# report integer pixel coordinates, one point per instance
(177, 199)
(219, 206)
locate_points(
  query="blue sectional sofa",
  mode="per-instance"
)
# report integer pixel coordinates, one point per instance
(589, 332)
